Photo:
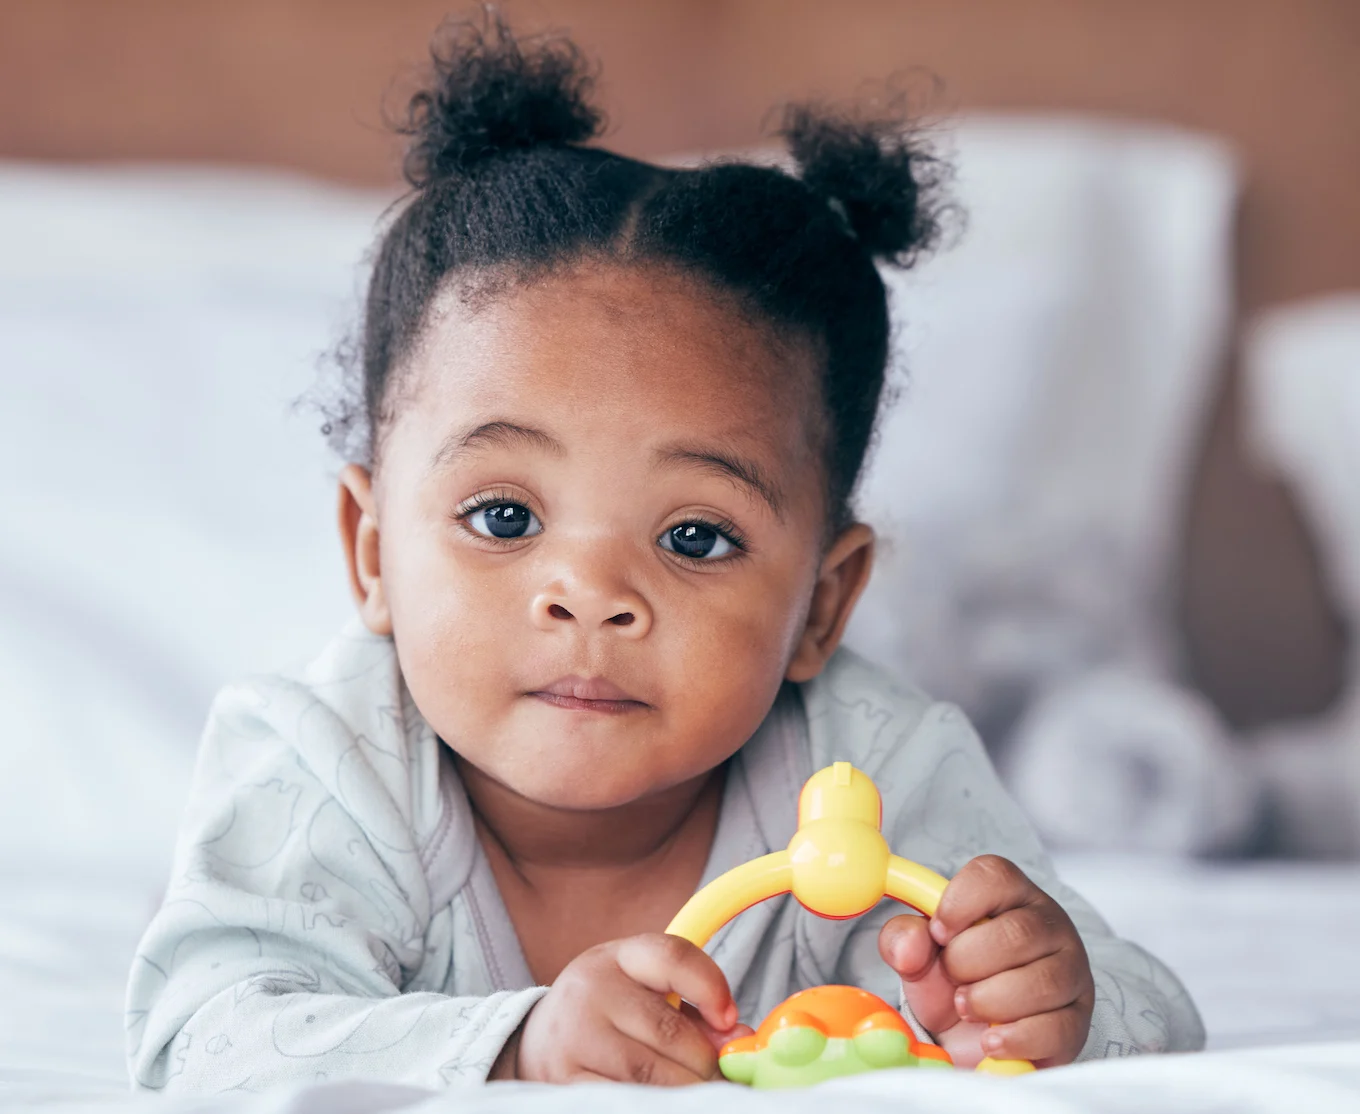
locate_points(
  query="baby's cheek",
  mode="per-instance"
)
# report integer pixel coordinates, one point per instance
(728, 665)
(456, 639)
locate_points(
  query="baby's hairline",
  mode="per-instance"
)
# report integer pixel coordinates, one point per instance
(476, 290)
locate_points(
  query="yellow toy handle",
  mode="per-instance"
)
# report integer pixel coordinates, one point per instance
(836, 865)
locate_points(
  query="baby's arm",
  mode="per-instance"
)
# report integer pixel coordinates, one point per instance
(298, 914)
(944, 806)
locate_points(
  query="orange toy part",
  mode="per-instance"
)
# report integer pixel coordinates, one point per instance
(835, 1011)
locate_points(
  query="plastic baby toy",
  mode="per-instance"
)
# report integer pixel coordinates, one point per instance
(824, 1032)
(837, 865)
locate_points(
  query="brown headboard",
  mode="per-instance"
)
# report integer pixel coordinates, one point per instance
(300, 83)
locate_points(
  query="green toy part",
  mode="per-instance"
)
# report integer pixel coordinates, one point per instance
(823, 1033)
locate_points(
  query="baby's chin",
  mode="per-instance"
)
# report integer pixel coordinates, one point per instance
(584, 761)
(594, 775)
(585, 787)
(596, 800)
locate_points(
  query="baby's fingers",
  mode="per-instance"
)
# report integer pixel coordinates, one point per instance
(667, 1034)
(671, 965)
(1047, 1039)
(716, 1037)
(633, 1061)
(986, 886)
(906, 946)
(1050, 983)
(1012, 939)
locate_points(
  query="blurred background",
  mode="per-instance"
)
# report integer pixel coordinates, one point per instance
(1141, 576)
(1116, 491)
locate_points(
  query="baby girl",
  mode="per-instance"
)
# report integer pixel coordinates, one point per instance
(598, 519)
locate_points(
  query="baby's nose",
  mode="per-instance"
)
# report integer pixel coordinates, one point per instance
(592, 607)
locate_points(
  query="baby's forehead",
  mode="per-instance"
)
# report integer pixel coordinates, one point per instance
(656, 341)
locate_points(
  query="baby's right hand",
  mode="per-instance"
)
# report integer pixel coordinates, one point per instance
(606, 1017)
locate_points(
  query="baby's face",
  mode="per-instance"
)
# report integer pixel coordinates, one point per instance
(596, 532)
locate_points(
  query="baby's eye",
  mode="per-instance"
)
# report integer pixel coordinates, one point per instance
(694, 539)
(505, 520)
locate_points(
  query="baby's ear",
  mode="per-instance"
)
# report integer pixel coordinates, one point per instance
(840, 580)
(359, 536)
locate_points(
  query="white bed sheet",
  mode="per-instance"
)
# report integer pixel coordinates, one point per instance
(1323, 1077)
(1267, 949)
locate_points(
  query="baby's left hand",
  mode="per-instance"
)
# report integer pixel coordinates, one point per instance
(1017, 987)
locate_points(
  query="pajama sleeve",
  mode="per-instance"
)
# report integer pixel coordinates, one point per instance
(296, 941)
(944, 805)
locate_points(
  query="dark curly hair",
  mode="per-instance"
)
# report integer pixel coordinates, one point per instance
(503, 186)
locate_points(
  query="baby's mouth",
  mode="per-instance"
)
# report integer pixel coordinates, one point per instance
(588, 694)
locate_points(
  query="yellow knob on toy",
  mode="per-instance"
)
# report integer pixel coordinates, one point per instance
(837, 865)
(838, 856)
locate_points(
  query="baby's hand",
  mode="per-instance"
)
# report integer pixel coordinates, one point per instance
(1015, 988)
(606, 1017)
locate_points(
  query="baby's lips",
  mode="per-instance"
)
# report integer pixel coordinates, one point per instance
(586, 688)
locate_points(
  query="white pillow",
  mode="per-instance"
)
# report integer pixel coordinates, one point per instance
(1029, 481)
(168, 513)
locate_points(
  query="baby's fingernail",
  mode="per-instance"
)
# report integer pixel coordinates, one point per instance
(961, 1003)
(991, 1040)
(938, 931)
(730, 1015)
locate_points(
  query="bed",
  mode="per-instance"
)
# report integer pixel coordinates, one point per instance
(1268, 950)
(159, 324)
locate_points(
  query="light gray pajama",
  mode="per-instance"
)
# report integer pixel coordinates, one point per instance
(331, 913)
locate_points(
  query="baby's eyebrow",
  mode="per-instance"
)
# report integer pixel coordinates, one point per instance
(498, 432)
(746, 472)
